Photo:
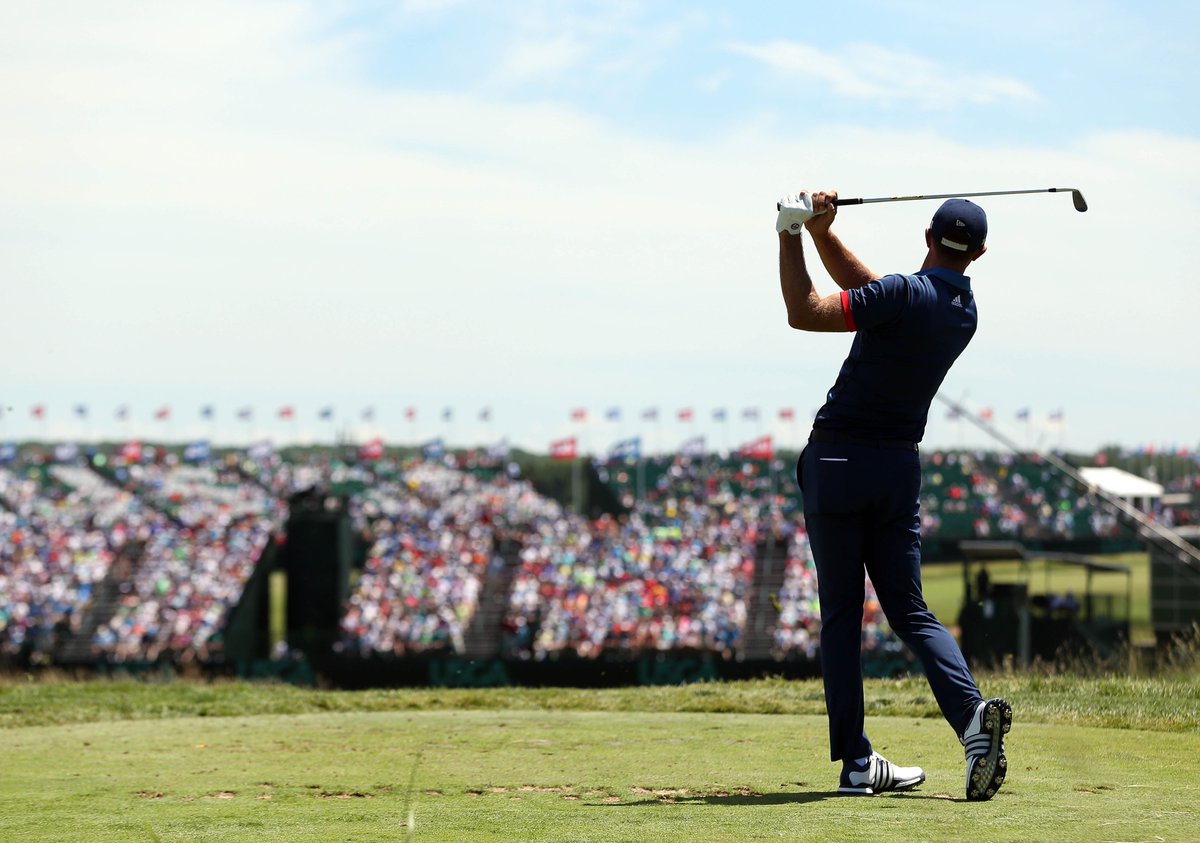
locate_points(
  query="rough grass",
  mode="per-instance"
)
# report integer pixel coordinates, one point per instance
(1166, 704)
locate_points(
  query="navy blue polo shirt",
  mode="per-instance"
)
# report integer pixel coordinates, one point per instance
(910, 330)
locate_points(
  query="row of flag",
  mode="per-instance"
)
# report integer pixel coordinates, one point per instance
(630, 450)
(285, 413)
(687, 414)
(614, 414)
(988, 415)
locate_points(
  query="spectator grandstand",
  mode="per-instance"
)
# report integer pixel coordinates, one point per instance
(173, 543)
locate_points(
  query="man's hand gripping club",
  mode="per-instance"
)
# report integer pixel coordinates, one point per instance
(799, 210)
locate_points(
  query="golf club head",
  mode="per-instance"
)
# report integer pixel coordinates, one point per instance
(1078, 200)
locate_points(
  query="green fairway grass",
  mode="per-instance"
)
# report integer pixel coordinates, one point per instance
(737, 761)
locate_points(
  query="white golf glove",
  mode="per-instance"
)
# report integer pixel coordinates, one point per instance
(795, 210)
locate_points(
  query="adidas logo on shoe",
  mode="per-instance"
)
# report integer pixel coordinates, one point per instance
(878, 775)
(983, 744)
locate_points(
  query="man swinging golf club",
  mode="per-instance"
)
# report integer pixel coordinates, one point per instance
(860, 474)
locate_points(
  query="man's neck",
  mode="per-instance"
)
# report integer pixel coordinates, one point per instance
(935, 261)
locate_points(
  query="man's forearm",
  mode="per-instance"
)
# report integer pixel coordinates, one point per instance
(798, 294)
(847, 271)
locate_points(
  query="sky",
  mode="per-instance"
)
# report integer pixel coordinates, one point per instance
(537, 207)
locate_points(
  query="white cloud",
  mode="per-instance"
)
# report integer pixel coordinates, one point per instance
(533, 60)
(886, 76)
(190, 214)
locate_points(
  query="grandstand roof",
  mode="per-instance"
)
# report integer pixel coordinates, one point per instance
(1120, 483)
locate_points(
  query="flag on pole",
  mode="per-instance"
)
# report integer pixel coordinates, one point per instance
(985, 415)
(372, 450)
(485, 414)
(1056, 416)
(38, 411)
(287, 413)
(163, 413)
(368, 414)
(1023, 414)
(447, 414)
(207, 412)
(245, 414)
(761, 448)
(650, 414)
(613, 414)
(326, 414)
(198, 451)
(122, 412)
(685, 415)
(579, 414)
(719, 414)
(411, 414)
(563, 449)
(750, 414)
(626, 449)
(81, 410)
(787, 414)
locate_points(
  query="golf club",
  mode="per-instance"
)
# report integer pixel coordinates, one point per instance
(1076, 197)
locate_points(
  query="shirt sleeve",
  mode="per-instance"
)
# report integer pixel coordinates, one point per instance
(876, 303)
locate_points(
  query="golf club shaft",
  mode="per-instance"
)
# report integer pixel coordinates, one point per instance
(1076, 196)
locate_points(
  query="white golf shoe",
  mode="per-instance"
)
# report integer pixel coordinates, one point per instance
(983, 743)
(878, 775)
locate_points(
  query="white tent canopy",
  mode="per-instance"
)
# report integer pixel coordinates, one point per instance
(1120, 483)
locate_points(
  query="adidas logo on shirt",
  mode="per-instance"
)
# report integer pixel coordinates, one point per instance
(957, 301)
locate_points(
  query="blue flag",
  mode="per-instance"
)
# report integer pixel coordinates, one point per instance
(627, 449)
(197, 451)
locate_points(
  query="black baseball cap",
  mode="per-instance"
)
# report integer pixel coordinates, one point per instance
(959, 224)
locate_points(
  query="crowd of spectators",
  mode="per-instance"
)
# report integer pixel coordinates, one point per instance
(433, 539)
(211, 528)
(672, 574)
(986, 495)
(61, 528)
(179, 539)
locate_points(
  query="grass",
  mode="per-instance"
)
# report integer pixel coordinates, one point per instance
(1091, 759)
(943, 586)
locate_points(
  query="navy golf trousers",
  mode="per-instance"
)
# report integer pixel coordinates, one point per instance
(861, 508)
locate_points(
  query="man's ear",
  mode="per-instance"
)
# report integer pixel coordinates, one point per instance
(979, 254)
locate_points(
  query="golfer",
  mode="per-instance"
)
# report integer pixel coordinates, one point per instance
(860, 474)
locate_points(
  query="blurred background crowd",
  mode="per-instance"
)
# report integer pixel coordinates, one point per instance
(140, 555)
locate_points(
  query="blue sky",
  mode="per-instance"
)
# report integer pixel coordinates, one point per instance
(538, 206)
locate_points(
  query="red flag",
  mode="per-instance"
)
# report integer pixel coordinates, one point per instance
(372, 450)
(578, 414)
(287, 412)
(787, 414)
(411, 414)
(163, 413)
(985, 415)
(685, 415)
(131, 451)
(761, 448)
(563, 449)
(39, 411)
